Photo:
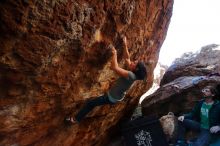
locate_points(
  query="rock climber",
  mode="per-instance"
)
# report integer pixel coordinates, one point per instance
(136, 71)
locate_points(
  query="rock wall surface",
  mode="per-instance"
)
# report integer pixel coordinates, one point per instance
(183, 82)
(203, 62)
(54, 56)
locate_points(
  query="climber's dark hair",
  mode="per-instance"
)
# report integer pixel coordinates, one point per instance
(140, 71)
(213, 91)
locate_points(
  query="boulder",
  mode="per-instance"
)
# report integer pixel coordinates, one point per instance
(54, 57)
(203, 62)
(183, 82)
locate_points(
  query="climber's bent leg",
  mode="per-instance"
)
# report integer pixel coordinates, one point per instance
(187, 124)
(101, 100)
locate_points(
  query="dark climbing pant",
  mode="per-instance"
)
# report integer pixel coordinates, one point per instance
(202, 139)
(101, 100)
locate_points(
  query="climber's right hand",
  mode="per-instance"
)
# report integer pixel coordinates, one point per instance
(181, 118)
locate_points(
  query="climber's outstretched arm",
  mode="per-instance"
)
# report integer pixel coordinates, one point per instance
(126, 53)
(114, 66)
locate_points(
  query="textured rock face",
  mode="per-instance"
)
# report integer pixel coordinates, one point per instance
(54, 56)
(177, 96)
(183, 82)
(194, 64)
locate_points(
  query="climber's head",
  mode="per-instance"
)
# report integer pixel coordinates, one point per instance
(139, 69)
(209, 92)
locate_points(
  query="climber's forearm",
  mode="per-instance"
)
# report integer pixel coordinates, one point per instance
(115, 67)
(126, 52)
(114, 63)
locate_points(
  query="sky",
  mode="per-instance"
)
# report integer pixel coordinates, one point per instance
(194, 23)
